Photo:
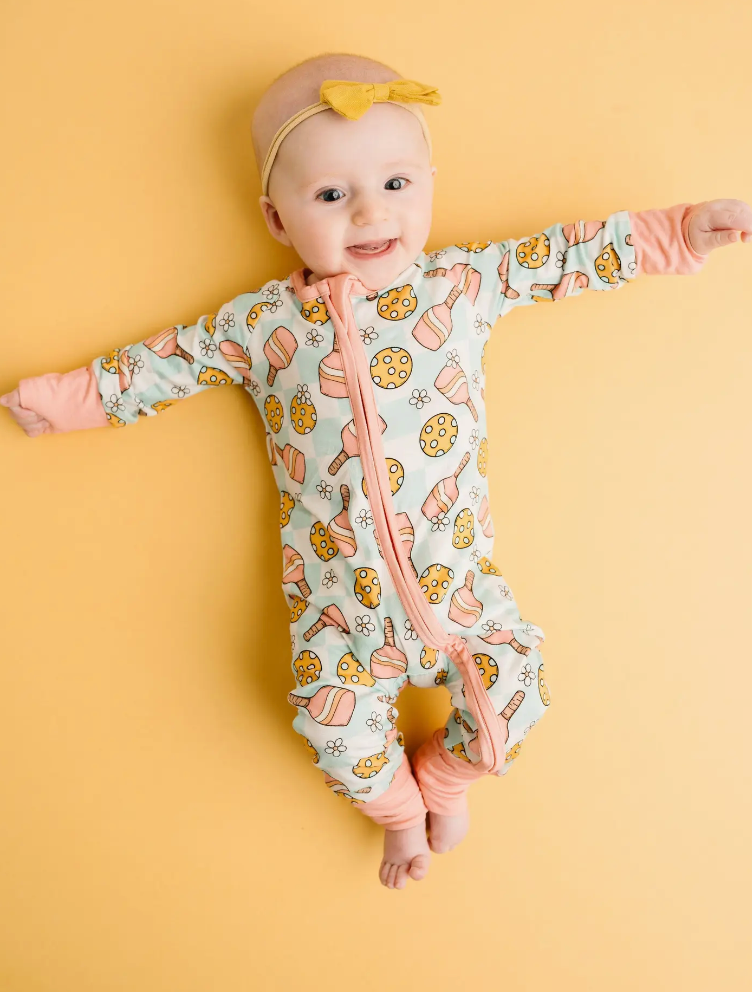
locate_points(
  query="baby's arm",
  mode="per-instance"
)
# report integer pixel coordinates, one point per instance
(140, 379)
(564, 260)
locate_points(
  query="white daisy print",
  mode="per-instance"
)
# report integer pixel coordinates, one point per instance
(114, 404)
(368, 334)
(435, 255)
(180, 391)
(453, 358)
(475, 492)
(364, 518)
(313, 337)
(505, 591)
(364, 625)
(255, 388)
(226, 321)
(410, 634)
(329, 579)
(207, 347)
(336, 747)
(440, 522)
(272, 291)
(324, 490)
(374, 722)
(474, 439)
(136, 364)
(561, 257)
(419, 398)
(476, 380)
(527, 675)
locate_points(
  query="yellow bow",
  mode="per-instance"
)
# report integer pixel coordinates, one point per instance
(352, 100)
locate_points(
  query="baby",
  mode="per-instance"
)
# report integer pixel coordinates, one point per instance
(368, 367)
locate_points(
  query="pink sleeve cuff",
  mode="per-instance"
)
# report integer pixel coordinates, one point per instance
(661, 242)
(68, 402)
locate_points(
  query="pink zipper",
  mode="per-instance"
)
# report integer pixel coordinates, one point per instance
(358, 381)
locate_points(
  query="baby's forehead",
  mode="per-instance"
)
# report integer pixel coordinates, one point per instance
(386, 134)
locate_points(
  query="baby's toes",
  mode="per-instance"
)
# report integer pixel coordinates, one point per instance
(419, 867)
(391, 876)
(384, 871)
(401, 880)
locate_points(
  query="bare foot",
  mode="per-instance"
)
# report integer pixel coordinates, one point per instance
(447, 831)
(406, 855)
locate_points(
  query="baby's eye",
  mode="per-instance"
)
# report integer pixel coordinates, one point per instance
(323, 196)
(398, 180)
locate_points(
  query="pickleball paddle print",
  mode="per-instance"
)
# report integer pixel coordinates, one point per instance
(423, 341)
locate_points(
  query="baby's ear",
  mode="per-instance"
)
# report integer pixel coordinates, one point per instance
(433, 170)
(273, 221)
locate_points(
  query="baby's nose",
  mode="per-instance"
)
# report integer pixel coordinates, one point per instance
(369, 210)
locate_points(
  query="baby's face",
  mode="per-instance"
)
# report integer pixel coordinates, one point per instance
(336, 183)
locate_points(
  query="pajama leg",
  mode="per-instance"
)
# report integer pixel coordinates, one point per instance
(402, 805)
(513, 677)
(348, 720)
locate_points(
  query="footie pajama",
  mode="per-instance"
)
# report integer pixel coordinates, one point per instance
(373, 402)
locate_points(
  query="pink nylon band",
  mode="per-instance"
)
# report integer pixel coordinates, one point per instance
(68, 401)
(402, 805)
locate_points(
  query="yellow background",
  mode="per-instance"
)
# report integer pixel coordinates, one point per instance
(162, 827)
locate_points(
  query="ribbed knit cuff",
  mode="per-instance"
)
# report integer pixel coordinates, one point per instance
(68, 401)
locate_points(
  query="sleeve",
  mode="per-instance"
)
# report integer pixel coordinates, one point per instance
(661, 241)
(564, 260)
(144, 379)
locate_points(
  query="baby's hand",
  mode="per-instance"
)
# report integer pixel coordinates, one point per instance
(31, 422)
(717, 223)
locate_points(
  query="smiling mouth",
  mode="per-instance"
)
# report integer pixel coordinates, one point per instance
(372, 247)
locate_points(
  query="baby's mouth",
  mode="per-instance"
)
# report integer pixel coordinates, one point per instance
(372, 247)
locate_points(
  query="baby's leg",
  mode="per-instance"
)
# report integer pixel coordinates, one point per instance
(401, 811)
(444, 779)
(347, 718)
(444, 765)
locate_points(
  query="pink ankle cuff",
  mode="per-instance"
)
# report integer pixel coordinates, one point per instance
(401, 806)
(443, 779)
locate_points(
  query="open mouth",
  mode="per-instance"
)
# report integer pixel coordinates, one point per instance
(371, 249)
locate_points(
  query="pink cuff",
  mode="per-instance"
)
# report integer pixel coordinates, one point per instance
(68, 402)
(443, 779)
(401, 806)
(661, 241)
